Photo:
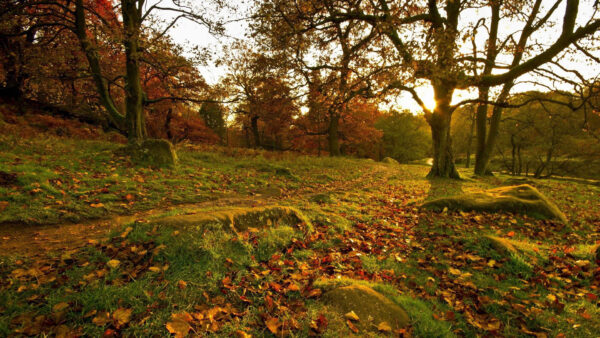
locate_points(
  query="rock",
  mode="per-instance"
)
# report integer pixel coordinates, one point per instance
(389, 160)
(521, 199)
(371, 307)
(238, 219)
(154, 152)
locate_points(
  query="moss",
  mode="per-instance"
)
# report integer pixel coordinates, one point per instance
(153, 152)
(321, 198)
(369, 305)
(238, 219)
(389, 160)
(523, 199)
(518, 181)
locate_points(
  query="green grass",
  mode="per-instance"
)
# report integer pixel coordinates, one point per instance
(366, 228)
(64, 180)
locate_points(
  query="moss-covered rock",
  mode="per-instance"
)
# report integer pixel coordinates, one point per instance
(153, 152)
(371, 307)
(389, 160)
(522, 199)
(238, 219)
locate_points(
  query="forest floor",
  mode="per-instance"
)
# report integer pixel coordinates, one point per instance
(80, 255)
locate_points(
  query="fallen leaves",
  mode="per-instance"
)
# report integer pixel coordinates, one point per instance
(113, 263)
(384, 327)
(179, 324)
(351, 316)
(121, 317)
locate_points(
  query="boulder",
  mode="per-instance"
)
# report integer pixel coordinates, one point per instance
(371, 307)
(237, 219)
(154, 152)
(521, 199)
(389, 160)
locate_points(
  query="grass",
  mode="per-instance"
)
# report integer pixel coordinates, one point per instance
(65, 180)
(366, 228)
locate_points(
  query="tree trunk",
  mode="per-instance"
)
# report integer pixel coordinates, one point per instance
(255, 132)
(136, 126)
(94, 61)
(333, 136)
(470, 141)
(168, 124)
(439, 121)
(513, 167)
(520, 160)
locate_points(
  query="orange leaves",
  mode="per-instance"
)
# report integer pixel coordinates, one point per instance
(179, 325)
(272, 324)
(319, 325)
(206, 319)
(121, 317)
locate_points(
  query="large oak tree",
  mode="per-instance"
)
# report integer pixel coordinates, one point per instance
(430, 41)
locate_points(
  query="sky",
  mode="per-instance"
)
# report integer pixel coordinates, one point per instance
(189, 33)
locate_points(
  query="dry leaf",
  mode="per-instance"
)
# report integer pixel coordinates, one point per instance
(384, 327)
(122, 316)
(101, 319)
(272, 324)
(178, 327)
(351, 316)
(113, 263)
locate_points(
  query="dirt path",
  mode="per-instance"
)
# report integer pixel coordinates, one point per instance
(30, 241)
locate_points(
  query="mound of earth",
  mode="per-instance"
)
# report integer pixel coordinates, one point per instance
(371, 307)
(521, 199)
(389, 160)
(238, 219)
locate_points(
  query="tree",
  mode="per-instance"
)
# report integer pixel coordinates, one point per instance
(265, 102)
(213, 115)
(545, 137)
(405, 136)
(96, 23)
(429, 41)
(332, 59)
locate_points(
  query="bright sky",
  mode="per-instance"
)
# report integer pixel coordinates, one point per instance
(189, 33)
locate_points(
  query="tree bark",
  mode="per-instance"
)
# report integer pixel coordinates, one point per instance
(439, 121)
(470, 141)
(94, 61)
(134, 94)
(255, 132)
(333, 136)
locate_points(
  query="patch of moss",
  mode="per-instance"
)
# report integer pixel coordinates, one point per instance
(523, 199)
(238, 219)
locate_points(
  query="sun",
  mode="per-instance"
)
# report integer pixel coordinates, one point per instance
(425, 93)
